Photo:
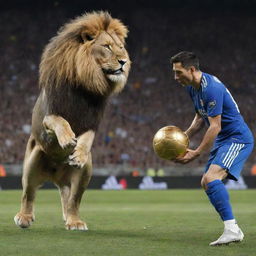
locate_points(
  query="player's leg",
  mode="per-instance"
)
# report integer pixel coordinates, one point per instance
(219, 197)
(216, 191)
(228, 162)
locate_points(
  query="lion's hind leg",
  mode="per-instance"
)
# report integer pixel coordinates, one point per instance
(32, 178)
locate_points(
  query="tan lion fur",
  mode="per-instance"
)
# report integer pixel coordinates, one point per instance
(64, 59)
(84, 64)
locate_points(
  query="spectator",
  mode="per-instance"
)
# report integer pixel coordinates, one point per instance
(148, 102)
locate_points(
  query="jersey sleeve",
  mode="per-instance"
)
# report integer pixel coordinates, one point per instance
(214, 100)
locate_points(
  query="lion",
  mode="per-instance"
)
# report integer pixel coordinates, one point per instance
(84, 64)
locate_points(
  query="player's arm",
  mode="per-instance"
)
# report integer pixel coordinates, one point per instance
(209, 137)
(211, 134)
(196, 125)
(214, 106)
(214, 103)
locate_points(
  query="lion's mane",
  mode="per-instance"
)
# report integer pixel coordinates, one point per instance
(66, 61)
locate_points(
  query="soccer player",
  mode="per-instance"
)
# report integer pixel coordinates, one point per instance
(228, 136)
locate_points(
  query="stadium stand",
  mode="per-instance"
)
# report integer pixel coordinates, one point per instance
(152, 99)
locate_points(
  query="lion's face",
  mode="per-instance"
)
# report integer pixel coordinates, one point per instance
(108, 57)
(112, 57)
(89, 52)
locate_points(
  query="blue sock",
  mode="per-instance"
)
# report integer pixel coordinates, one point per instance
(219, 198)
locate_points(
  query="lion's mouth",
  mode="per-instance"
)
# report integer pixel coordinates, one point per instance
(113, 72)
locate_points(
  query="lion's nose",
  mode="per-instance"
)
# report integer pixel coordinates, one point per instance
(122, 62)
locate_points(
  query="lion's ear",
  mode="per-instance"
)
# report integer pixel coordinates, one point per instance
(85, 37)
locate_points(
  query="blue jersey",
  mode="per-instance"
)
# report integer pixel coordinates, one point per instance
(212, 99)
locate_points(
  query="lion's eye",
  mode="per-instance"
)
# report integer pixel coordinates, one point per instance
(84, 37)
(88, 37)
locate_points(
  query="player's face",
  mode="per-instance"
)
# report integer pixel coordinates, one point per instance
(183, 76)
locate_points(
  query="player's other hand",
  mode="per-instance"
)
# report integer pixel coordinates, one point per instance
(189, 156)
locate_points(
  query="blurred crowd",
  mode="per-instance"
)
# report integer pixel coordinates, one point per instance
(225, 45)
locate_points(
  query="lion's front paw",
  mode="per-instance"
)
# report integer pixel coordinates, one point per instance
(76, 225)
(66, 137)
(24, 220)
(78, 158)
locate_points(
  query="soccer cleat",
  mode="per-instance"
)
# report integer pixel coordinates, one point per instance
(228, 237)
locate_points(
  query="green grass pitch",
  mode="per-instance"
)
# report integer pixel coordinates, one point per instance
(132, 222)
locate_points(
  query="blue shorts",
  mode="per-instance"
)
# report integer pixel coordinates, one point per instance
(231, 157)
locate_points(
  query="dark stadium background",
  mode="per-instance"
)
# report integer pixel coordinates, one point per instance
(222, 33)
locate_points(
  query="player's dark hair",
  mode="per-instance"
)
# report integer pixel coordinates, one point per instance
(187, 59)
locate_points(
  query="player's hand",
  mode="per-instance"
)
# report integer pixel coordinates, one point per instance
(189, 156)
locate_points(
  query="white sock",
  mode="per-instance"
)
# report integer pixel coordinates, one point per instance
(231, 225)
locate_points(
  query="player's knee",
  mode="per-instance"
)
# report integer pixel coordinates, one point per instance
(202, 183)
(207, 178)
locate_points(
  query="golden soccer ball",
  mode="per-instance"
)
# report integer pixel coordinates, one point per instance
(170, 142)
